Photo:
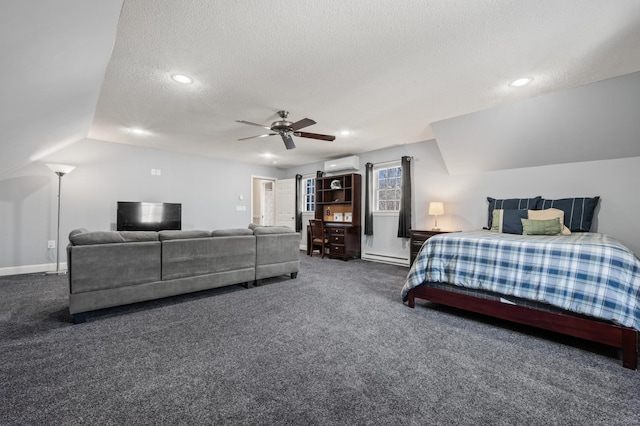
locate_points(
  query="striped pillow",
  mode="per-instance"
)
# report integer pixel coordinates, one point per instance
(578, 212)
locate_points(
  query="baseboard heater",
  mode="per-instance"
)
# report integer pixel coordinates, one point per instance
(384, 258)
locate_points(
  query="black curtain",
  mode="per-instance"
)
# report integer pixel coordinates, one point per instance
(404, 219)
(368, 215)
(298, 203)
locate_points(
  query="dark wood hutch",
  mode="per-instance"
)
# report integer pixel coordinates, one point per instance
(338, 200)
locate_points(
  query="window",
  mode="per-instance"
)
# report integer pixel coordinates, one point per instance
(308, 194)
(387, 187)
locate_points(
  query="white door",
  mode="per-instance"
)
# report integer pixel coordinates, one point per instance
(267, 204)
(286, 203)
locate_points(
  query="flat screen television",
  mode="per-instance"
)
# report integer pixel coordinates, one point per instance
(141, 216)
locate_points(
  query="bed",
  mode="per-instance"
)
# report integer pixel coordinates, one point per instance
(585, 284)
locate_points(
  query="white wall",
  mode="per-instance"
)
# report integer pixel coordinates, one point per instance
(208, 189)
(465, 195)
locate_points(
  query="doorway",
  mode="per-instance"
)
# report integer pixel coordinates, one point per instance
(263, 200)
(273, 201)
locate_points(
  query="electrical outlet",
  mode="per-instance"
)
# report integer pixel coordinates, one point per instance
(51, 244)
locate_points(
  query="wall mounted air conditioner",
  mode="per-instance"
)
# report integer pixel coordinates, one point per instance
(342, 164)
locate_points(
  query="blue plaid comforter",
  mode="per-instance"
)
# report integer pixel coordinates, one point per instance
(587, 273)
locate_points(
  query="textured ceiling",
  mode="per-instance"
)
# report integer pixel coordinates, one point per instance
(384, 69)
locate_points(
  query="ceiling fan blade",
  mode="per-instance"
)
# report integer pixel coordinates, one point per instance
(305, 122)
(254, 124)
(315, 136)
(288, 141)
(259, 136)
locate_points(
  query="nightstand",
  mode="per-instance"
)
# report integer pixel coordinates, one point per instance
(417, 239)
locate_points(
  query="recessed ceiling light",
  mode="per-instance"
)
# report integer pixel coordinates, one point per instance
(267, 155)
(521, 82)
(181, 78)
(138, 131)
(345, 133)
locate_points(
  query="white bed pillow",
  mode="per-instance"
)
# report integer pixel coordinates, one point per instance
(548, 214)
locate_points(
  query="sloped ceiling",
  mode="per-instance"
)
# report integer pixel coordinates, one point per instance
(593, 122)
(54, 57)
(384, 70)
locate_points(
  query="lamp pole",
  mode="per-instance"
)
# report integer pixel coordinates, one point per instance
(60, 174)
(60, 170)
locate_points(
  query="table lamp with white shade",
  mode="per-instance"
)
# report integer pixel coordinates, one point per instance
(436, 208)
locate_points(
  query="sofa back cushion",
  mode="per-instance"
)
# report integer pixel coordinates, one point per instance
(277, 248)
(231, 232)
(266, 230)
(82, 237)
(103, 266)
(182, 235)
(200, 256)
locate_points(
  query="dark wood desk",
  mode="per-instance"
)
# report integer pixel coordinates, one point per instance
(344, 241)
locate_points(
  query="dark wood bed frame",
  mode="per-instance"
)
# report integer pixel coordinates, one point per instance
(593, 330)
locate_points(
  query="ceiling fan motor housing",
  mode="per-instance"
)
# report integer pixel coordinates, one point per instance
(282, 126)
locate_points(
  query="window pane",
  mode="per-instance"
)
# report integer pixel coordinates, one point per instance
(309, 195)
(387, 188)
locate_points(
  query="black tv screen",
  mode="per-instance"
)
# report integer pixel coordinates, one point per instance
(141, 216)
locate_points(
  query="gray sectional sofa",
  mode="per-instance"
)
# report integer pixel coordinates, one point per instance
(111, 268)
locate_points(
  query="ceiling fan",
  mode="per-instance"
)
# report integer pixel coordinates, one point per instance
(287, 129)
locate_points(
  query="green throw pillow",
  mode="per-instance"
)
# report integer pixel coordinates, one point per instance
(541, 227)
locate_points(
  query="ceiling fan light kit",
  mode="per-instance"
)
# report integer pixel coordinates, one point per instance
(286, 129)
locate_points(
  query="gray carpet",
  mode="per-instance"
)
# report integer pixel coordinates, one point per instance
(334, 346)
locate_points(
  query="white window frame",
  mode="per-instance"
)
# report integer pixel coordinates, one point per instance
(376, 189)
(306, 197)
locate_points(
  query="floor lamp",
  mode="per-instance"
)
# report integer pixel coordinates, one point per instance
(60, 170)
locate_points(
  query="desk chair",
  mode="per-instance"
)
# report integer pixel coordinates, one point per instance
(319, 240)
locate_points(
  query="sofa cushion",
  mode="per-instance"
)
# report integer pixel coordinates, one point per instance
(138, 236)
(231, 232)
(264, 230)
(201, 256)
(182, 235)
(105, 266)
(95, 237)
(77, 231)
(79, 238)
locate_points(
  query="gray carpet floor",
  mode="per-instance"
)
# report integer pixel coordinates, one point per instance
(335, 346)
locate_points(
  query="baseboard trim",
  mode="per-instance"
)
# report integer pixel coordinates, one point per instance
(31, 269)
(394, 260)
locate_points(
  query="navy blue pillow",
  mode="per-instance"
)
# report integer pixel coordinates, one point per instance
(578, 212)
(512, 204)
(508, 221)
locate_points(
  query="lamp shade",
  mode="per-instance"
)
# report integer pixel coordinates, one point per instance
(61, 168)
(436, 208)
